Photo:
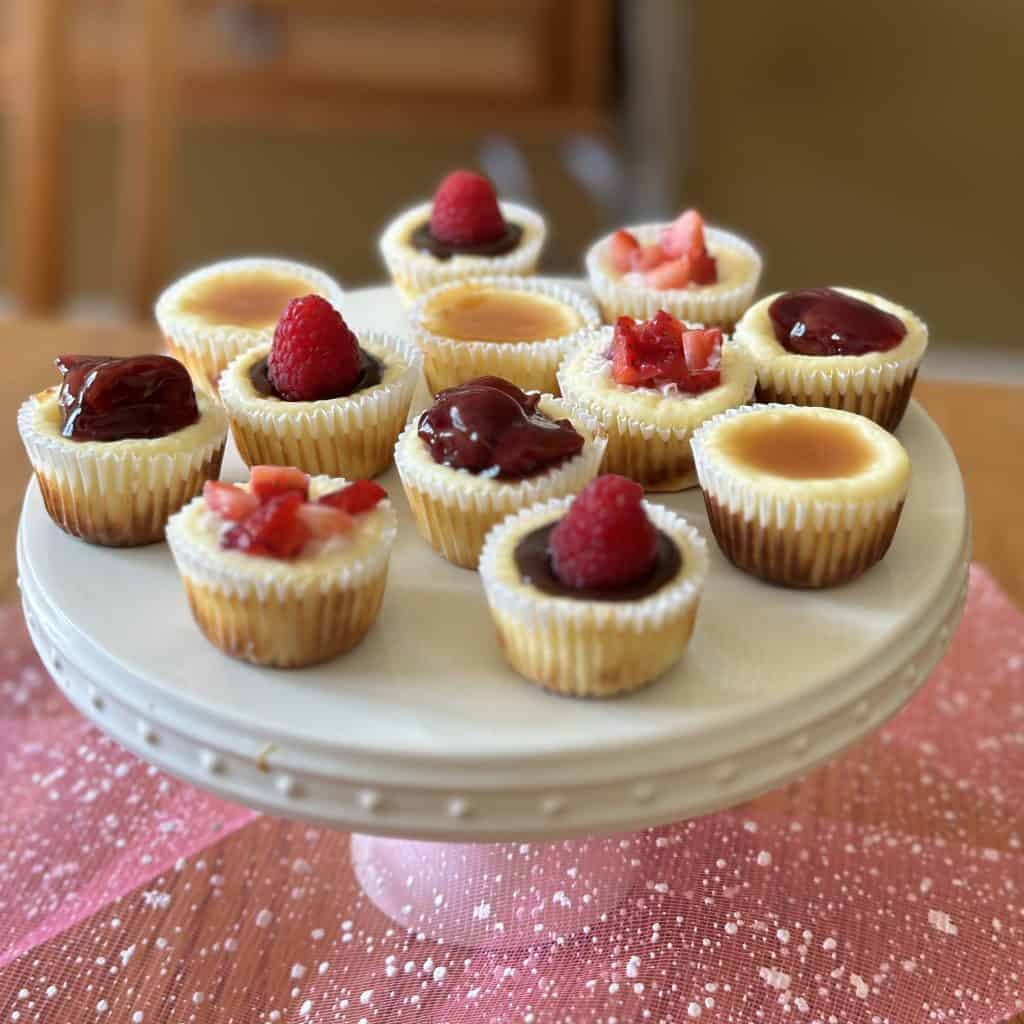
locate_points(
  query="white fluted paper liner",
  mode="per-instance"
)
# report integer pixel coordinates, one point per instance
(206, 349)
(284, 613)
(591, 648)
(414, 272)
(530, 365)
(351, 436)
(649, 429)
(119, 493)
(454, 509)
(877, 385)
(806, 532)
(714, 305)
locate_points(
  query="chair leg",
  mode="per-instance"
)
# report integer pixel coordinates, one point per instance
(148, 146)
(37, 187)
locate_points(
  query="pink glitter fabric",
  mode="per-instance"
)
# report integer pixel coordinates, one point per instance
(127, 896)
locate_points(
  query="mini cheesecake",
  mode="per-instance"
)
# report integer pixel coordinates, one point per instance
(284, 571)
(215, 313)
(649, 386)
(699, 274)
(465, 231)
(802, 496)
(120, 445)
(516, 328)
(485, 449)
(835, 347)
(591, 641)
(351, 434)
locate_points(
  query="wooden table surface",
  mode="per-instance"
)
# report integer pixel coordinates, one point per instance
(983, 424)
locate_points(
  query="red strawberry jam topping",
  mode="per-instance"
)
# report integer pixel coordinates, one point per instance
(274, 516)
(677, 259)
(826, 322)
(465, 219)
(103, 398)
(491, 428)
(604, 548)
(663, 351)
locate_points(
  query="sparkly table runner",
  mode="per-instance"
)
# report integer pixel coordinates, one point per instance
(887, 886)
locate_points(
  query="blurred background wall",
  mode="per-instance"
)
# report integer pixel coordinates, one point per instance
(875, 144)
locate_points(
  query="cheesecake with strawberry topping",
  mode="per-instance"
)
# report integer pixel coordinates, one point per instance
(465, 231)
(319, 396)
(649, 385)
(838, 348)
(213, 314)
(286, 570)
(120, 445)
(696, 272)
(594, 595)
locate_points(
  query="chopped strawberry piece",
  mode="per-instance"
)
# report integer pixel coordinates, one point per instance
(228, 501)
(324, 521)
(268, 482)
(660, 351)
(648, 354)
(684, 237)
(673, 274)
(647, 257)
(621, 250)
(274, 530)
(354, 498)
(699, 347)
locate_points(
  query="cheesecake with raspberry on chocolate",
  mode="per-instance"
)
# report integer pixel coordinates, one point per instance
(649, 385)
(594, 595)
(286, 570)
(319, 396)
(696, 272)
(465, 231)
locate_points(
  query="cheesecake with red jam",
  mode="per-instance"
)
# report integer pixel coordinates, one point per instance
(465, 231)
(649, 385)
(696, 272)
(120, 445)
(286, 570)
(594, 595)
(485, 449)
(835, 347)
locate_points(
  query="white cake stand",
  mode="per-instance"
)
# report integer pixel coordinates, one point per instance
(424, 732)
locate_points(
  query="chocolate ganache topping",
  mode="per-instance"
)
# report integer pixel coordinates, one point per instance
(826, 322)
(425, 240)
(491, 428)
(103, 398)
(371, 371)
(533, 560)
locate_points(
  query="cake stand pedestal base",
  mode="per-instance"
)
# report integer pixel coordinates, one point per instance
(495, 895)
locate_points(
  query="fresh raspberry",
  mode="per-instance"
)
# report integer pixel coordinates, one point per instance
(228, 501)
(355, 498)
(605, 540)
(621, 248)
(274, 530)
(465, 210)
(314, 355)
(268, 482)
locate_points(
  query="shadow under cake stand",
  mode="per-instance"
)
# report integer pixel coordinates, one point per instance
(424, 733)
